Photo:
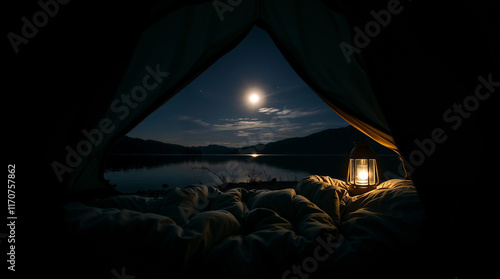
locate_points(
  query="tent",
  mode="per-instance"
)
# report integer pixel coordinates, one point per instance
(210, 37)
(418, 80)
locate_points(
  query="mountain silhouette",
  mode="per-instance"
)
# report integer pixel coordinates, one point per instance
(128, 145)
(331, 141)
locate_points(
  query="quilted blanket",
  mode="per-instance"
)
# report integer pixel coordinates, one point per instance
(317, 228)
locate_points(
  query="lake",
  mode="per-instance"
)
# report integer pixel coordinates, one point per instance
(144, 172)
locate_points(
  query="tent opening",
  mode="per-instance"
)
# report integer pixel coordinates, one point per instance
(166, 59)
(250, 103)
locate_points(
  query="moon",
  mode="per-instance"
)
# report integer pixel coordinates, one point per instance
(254, 98)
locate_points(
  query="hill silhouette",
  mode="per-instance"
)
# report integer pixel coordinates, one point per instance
(331, 141)
(128, 145)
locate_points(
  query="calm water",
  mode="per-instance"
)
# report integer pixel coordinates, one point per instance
(142, 172)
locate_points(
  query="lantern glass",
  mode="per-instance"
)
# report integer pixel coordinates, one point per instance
(373, 172)
(363, 172)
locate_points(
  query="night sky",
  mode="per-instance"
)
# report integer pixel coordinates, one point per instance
(251, 95)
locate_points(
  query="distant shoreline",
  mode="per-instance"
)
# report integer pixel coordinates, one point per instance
(338, 141)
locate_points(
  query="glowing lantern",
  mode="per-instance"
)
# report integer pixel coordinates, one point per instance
(362, 172)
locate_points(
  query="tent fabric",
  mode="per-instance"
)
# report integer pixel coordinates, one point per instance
(309, 36)
(167, 57)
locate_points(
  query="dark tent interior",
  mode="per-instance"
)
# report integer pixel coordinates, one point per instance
(432, 71)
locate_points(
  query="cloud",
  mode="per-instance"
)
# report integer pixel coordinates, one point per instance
(238, 119)
(318, 124)
(284, 112)
(201, 122)
(182, 117)
(189, 118)
(237, 125)
(243, 134)
(287, 113)
(268, 111)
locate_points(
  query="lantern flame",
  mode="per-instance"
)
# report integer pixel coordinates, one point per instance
(362, 172)
(363, 175)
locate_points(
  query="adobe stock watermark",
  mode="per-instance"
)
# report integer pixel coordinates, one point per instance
(453, 117)
(310, 264)
(362, 38)
(221, 7)
(31, 26)
(121, 107)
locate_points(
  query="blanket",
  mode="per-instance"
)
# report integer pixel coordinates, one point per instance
(315, 228)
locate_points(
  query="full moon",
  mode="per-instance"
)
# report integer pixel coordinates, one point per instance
(254, 98)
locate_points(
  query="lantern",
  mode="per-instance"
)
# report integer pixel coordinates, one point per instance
(362, 172)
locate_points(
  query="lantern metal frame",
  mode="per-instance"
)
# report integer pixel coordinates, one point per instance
(362, 155)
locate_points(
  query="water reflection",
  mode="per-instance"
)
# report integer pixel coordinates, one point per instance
(134, 172)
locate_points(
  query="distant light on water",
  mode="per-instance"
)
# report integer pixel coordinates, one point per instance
(255, 155)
